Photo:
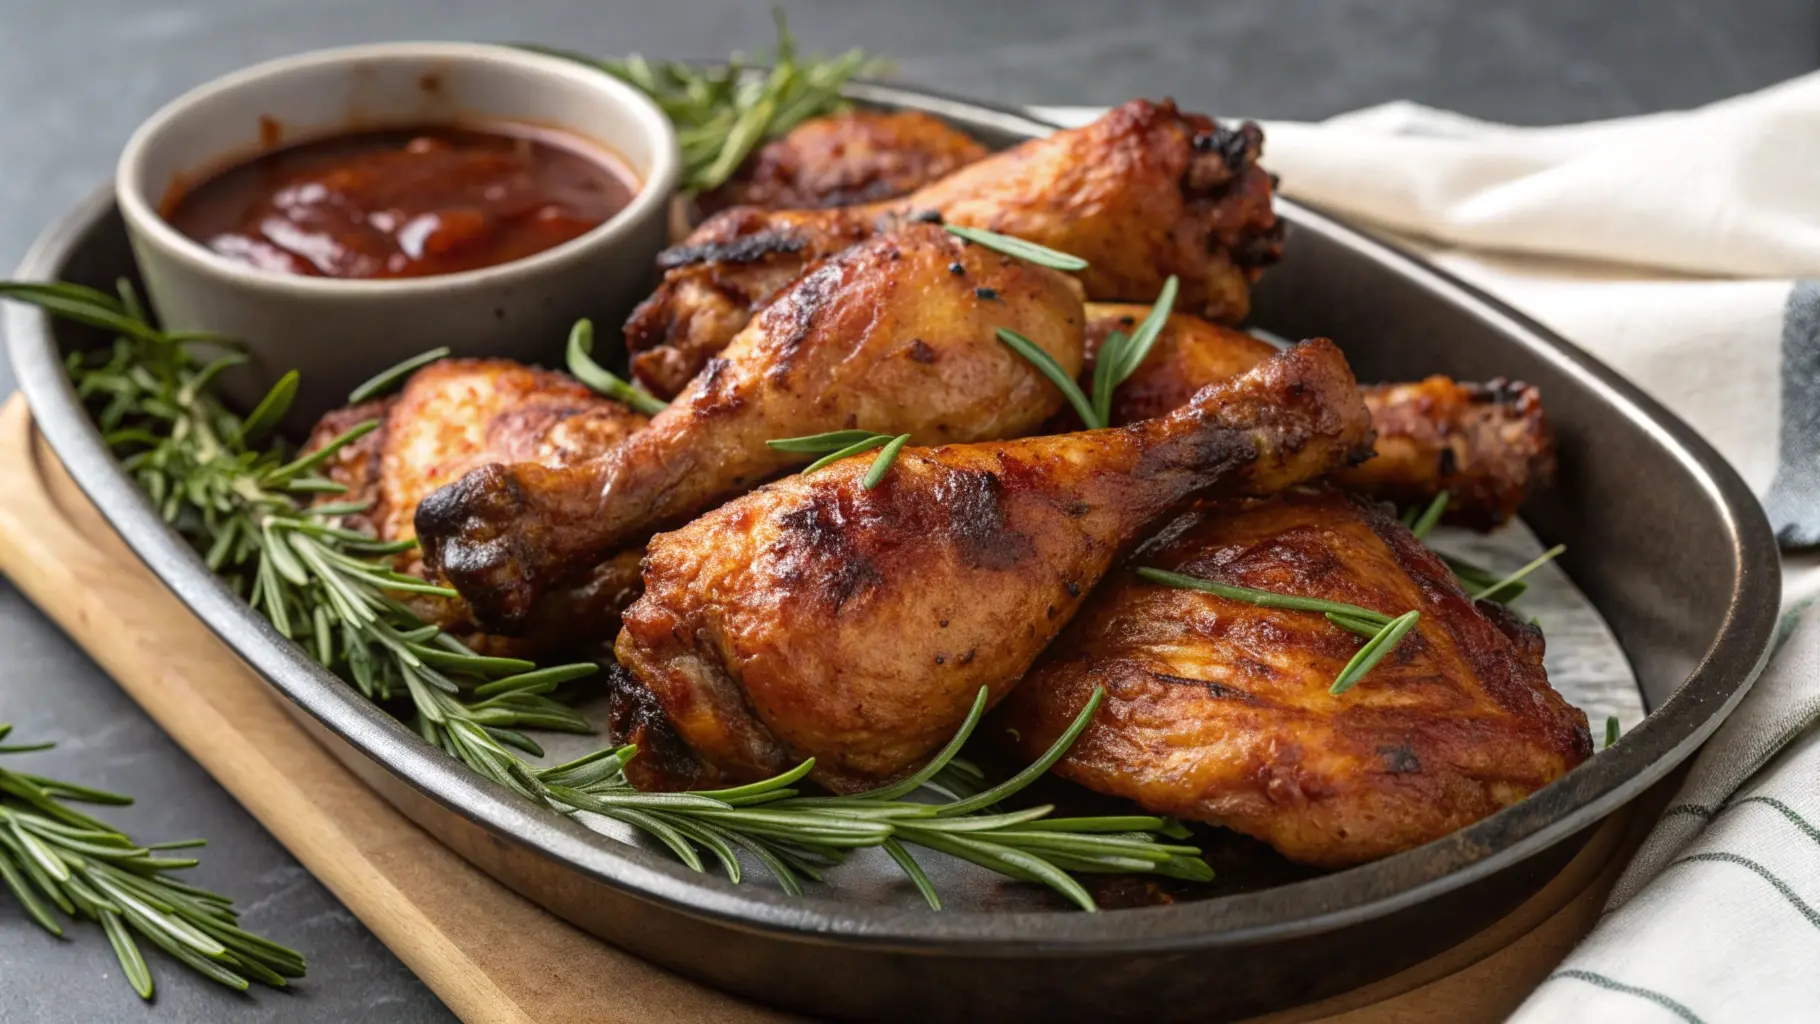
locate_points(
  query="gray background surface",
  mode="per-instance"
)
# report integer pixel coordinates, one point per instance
(77, 75)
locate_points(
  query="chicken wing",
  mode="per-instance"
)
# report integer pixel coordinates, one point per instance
(453, 416)
(1144, 192)
(814, 617)
(888, 336)
(857, 156)
(1218, 710)
(1486, 445)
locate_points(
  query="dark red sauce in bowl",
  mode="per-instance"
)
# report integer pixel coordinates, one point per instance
(411, 202)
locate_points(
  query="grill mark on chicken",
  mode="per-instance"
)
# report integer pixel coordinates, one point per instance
(1220, 690)
(975, 517)
(749, 249)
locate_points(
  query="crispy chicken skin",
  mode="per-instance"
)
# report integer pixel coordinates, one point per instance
(844, 159)
(883, 337)
(1144, 192)
(813, 617)
(457, 414)
(1219, 711)
(1487, 445)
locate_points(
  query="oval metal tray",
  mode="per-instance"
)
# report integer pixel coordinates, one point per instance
(1662, 535)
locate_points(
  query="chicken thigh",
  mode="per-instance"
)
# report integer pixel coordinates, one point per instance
(1219, 710)
(453, 416)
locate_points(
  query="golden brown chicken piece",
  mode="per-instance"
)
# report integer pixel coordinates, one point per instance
(1144, 192)
(883, 338)
(453, 416)
(856, 156)
(1218, 710)
(813, 617)
(1486, 445)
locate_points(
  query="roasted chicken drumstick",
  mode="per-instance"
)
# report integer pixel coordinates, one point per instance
(1218, 710)
(813, 617)
(1486, 445)
(888, 336)
(1144, 192)
(458, 414)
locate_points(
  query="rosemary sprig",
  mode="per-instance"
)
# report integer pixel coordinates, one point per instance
(1119, 357)
(723, 113)
(798, 836)
(585, 369)
(331, 589)
(1031, 252)
(839, 444)
(56, 858)
(1382, 633)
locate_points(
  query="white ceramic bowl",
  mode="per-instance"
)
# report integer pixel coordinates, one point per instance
(339, 332)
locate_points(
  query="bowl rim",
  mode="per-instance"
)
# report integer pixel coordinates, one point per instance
(1326, 903)
(651, 200)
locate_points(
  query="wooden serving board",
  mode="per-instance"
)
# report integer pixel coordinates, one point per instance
(488, 953)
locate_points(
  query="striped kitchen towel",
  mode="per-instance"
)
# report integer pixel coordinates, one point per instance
(1682, 249)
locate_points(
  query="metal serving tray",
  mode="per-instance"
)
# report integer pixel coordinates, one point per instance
(1662, 535)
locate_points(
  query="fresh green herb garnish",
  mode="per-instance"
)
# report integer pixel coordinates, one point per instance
(1374, 650)
(1611, 731)
(1421, 523)
(56, 858)
(839, 444)
(1382, 633)
(1119, 357)
(1478, 582)
(386, 380)
(882, 464)
(797, 836)
(1041, 255)
(585, 369)
(723, 113)
(1500, 590)
(331, 589)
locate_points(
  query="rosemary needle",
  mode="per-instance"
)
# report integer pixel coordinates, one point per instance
(1048, 367)
(882, 464)
(1611, 731)
(1495, 590)
(385, 380)
(1374, 651)
(585, 369)
(1030, 252)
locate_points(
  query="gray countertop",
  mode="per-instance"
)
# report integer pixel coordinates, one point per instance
(77, 75)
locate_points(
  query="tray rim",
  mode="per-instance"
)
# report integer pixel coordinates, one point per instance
(1699, 704)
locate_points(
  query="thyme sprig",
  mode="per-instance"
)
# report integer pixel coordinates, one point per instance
(1119, 357)
(723, 113)
(247, 507)
(56, 858)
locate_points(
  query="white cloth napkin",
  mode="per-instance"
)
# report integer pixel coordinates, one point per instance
(1675, 247)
